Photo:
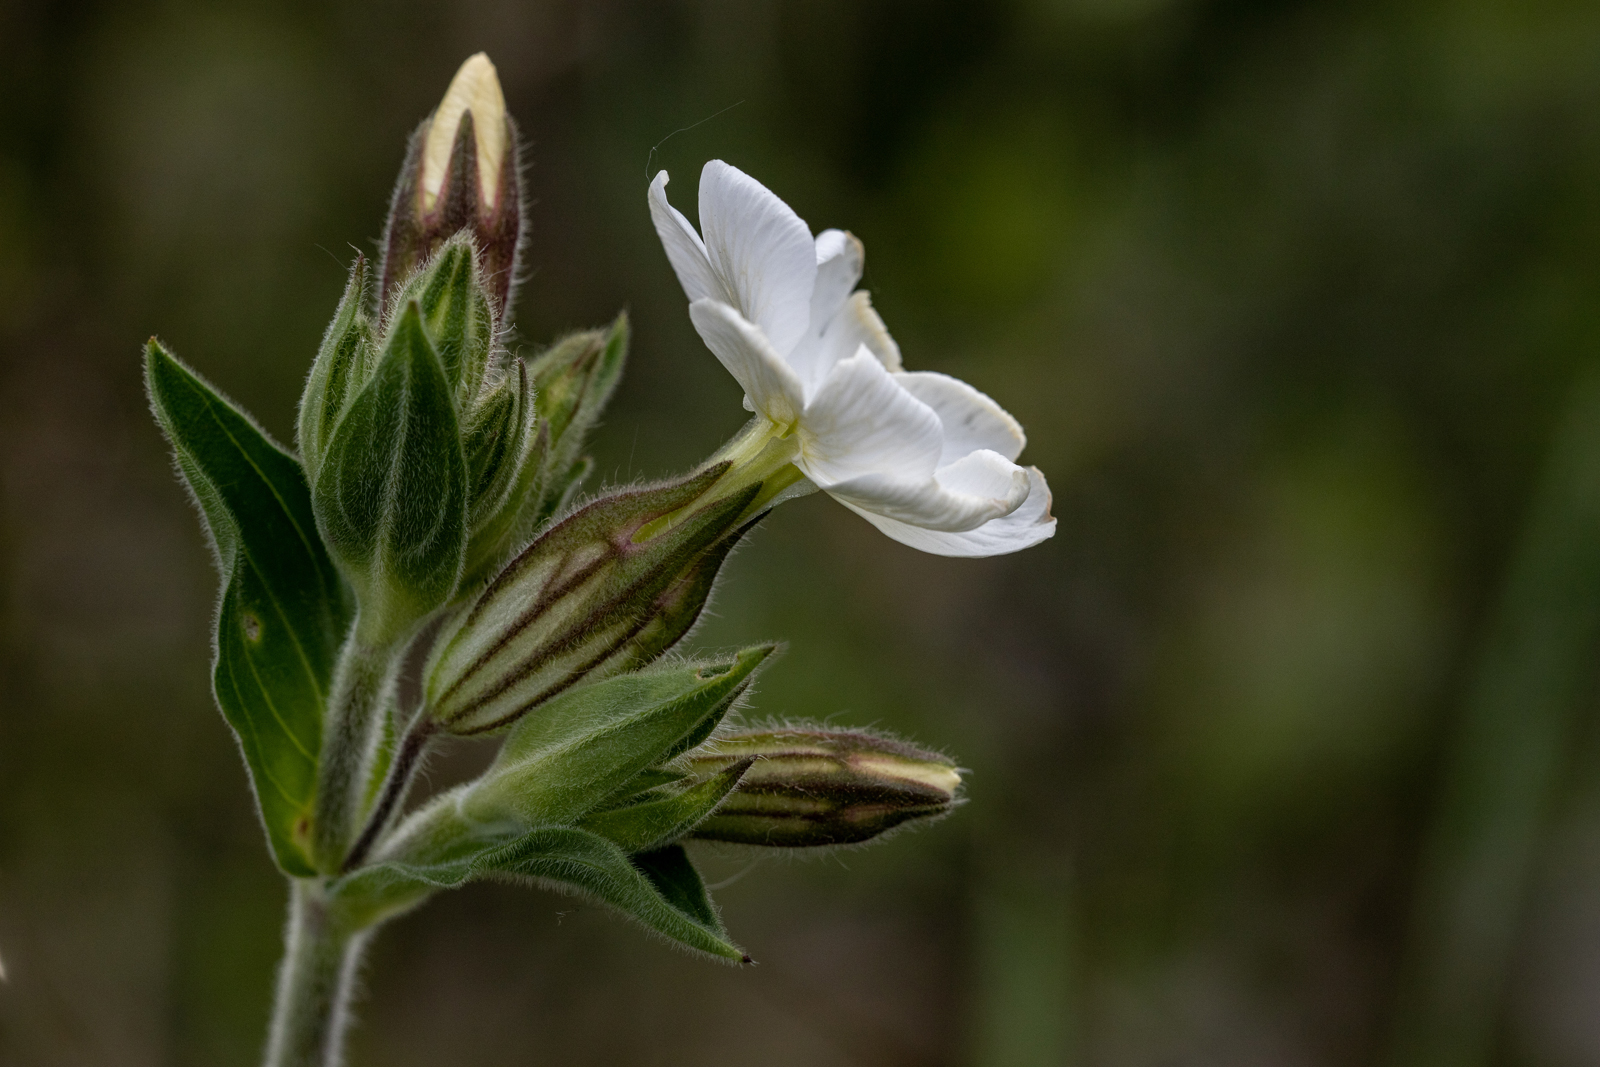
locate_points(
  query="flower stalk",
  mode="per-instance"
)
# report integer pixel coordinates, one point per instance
(363, 689)
(315, 981)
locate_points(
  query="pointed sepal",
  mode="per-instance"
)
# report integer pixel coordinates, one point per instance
(457, 315)
(659, 817)
(343, 362)
(502, 442)
(573, 381)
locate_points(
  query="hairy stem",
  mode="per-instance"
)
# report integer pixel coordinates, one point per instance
(315, 982)
(362, 685)
(405, 764)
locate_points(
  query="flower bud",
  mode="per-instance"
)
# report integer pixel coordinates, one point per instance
(572, 382)
(586, 600)
(460, 173)
(457, 315)
(810, 788)
(390, 495)
(343, 364)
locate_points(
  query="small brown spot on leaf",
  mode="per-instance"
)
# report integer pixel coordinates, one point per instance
(252, 627)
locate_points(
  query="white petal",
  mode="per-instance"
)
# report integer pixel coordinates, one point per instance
(877, 334)
(839, 259)
(971, 420)
(861, 422)
(685, 250)
(761, 249)
(1023, 528)
(853, 326)
(963, 496)
(771, 388)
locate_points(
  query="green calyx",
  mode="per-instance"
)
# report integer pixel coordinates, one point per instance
(582, 602)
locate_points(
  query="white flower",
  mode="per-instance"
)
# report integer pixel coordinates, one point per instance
(927, 459)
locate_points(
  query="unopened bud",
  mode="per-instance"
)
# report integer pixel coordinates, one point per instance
(460, 174)
(584, 601)
(810, 788)
(572, 382)
(475, 91)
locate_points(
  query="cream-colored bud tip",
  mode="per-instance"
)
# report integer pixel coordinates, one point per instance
(475, 88)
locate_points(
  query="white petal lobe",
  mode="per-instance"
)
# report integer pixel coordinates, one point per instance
(961, 497)
(771, 388)
(761, 249)
(839, 260)
(861, 422)
(685, 251)
(1023, 528)
(971, 420)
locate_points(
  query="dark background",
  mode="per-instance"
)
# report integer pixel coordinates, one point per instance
(1283, 751)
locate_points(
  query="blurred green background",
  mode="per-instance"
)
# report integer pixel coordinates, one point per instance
(1283, 752)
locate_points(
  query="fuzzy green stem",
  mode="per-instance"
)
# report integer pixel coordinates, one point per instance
(362, 685)
(761, 454)
(315, 982)
(398, 780)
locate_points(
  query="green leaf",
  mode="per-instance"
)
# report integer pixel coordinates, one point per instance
(558, 765)
(559, 857)
(675, 878)
(341, 368)
(656, 820)
(578, 602)
(648, 781)
(283, 610)
(391, 496)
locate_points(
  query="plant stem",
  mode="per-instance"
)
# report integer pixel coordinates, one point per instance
(315, 982)
(395, 785)
(362, 683)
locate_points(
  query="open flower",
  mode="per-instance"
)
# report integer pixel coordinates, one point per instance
(924, 457)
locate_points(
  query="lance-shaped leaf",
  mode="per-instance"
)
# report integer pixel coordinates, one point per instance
(391, 495)
(569, 606)
(502, 440)
(675, 878)
(573, 381)
(649, 780)
(343, 362)
(563, 858)
(654, 819)
(817, 788)
(283, 609)
(559, 765)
